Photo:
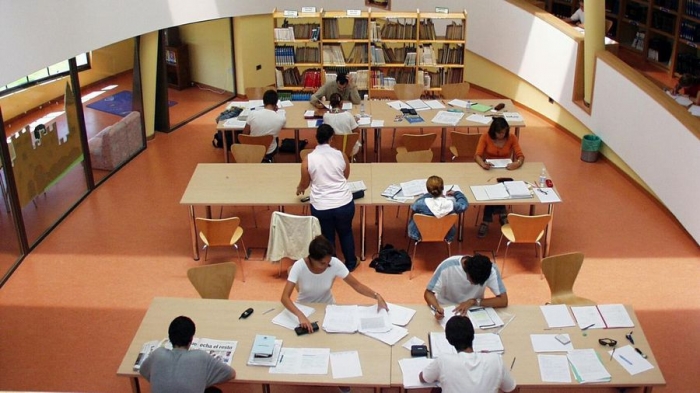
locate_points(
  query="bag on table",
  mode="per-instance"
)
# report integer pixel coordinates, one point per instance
(391, 260)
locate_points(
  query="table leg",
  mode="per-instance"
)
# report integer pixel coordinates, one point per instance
(442, 147)
(193, 234)
(380, 227)
(227, 158)
(460, 222)
(363, 229)
(517, 132)
(209, 212)
(266, 388)
(363, 136)
(135, 387)
(548, 231)
(378, 143)
(296, 145)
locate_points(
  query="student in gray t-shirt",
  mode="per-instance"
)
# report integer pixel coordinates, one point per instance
(181, 370)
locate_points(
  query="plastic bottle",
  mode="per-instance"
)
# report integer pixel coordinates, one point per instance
(362, 106)
(543, 178)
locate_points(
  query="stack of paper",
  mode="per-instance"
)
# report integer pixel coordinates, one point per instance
(390, 337)
(477, 118)
(513, 117)
(414, 187)
(445, 117)
(517, 189)
(602, 316)
(458, 103)
(484, 317)
(434, 104)
(554, 368)
(357, 186)
(499, 162)
(349, 319)
(270, 361)
(345, 364)
(557, 316)
(411, 369)
(263, 346)
(302, 361)
(418, 105)
(289, 320)
(587, 366)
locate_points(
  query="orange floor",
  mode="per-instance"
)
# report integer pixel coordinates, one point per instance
(71, 309)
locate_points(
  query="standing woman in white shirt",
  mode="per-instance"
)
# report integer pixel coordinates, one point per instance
(343, 122)
(326, 170)
(313, 277)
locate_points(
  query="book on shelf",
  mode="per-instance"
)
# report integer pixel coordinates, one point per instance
(284, 34)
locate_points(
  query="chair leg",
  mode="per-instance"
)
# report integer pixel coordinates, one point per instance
(499, 244)
(206, 251)
(449, 249)
(393, 139)
(255, 220)
(413, 259)
(505, 259)
(240, 261)
(478, 213)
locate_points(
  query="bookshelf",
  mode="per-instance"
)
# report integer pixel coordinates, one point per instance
(377, 49)
(177, 66)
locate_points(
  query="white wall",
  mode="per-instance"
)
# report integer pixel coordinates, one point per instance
(625, 117)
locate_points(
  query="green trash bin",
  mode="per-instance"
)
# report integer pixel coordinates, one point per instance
(590, 145)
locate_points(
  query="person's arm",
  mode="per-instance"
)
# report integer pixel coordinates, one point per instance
(518, 153)
(430, 373)
(363, 289)
(354, 94)
(305, 180)
(696, 99)
(461, 204)
(346, 171)
(246, 129)
(480, 154)
(289, 305)
(317, 96)
(432, 302)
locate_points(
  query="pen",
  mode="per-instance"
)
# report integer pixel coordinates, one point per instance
(640, 352)
(270, 310)
(589, 326)
(281, 358)
(435, 310)
(512, 364)
(625, 359)
(629, 338)
(543, 191)
(451, 187)
(612, 353)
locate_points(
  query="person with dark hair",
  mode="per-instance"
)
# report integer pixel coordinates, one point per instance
(467, 371)
(326, 171)
(343, 122)
(341, 85)
(462, 281)
(497, 143)
(690, 86)
(266, 121)
(183, 370)
(313, 277)
(578, 17)
(434, 203)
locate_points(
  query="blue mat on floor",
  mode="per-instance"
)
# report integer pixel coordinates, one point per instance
(118, 104)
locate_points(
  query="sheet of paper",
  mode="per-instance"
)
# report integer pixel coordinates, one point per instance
(554, 368)
(357, 185)
(630, 360)
(413, 341)
(434, 104)
(484, 317)
(372, 321)
(479, 193)
(487, 342)
(517, 189)
(392, 190)
(451, 187)
(499, 162)
(234, 123)
(439, 344)
(289, 320)
(398, 105)
(547, 195)
(284, 104)
(411, 369)
(302, 361)
(414, 187)
(449, 312)
(588, 317)
(311, 123)
(390, 337)
(547, 343)
(458, 103)
(481, 119)
(615, 315)
(497, 191)
(364, 121)
(346, 364)
(340, 319)
(309, 113)
(513, 117)
(587, 366)
(445, 117)
(680, 99)
(694, 110)
(557, 315)
(255, 103)
(347, 106)
(418, 105)
(377, 123)
(400, 315)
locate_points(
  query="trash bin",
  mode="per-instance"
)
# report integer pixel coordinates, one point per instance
(590, 144)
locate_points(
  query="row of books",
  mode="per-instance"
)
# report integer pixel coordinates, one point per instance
(330, 29)
(399, 31)
(306, 31)
(690, 31)
(454, 31)
(427, 30)
(289, 55)
(692, 8)
(381, 81)
(333, 55)
(444, 76)
(359, 29)
(358, 54)
(450, 54)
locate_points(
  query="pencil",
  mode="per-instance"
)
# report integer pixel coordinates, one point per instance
(512, 364)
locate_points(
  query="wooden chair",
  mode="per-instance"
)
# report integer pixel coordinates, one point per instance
(561, 272)
(249, 154)
(523, 229)
(413, 142)
(431, 230)
(455, 90)
(262, 140)
(345, 143)
(406, 91)
(224, 232)
(415, 156)
(213, 281)
(463, 145)
(256, 93)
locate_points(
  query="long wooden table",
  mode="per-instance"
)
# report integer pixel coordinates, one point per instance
(240, 185)
(380, 110)
(218, 319)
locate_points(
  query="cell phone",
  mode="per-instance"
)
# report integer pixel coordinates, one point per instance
(300, 330)
(246, 313)
(305, 199)
(502, 179)
(500, 106)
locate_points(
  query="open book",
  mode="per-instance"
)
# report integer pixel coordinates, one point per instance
(505, 190)
(604, 316)
(484, 317)
(350, 319)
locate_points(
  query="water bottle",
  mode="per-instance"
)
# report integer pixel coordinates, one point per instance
(543, 178)
(362, 106)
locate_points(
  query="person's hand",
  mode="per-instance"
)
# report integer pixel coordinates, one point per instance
(450, 193)
(463, 307)
(514, 165)
(306, 324)
(300, 191)
(486, 165)
(439, 312)
(351, 83)
(381, 304)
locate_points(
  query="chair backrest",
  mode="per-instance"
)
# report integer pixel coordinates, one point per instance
(413, 142)
(256, 93)
(345, 143)
(251, 154)
(434, 229)
(218, 232)
(561, 272)
(464, 145)
(455, 90)
(262, 140)
(213, 281)
(528, 229)
(304, 153)
(414, 156)
(408, 91)
(290, 235)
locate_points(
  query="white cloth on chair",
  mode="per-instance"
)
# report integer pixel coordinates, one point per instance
(290, 236)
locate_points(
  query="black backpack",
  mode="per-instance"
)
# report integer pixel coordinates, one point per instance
(391, 260)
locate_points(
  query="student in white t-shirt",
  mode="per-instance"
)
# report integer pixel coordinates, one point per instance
(313, 277)
(343, 122)
(467, 371)
(266, 121)
(578, 17)
(462, 281)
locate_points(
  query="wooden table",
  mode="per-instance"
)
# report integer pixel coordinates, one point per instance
(516, 341)
(218, 319)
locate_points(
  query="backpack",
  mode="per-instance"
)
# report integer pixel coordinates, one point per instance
(218, 143)
(391, 261)
(287, 145)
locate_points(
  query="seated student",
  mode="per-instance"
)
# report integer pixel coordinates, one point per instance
(462, 281)
(266, 121)
(690, 85)
(435, 204)
(341, 85)
(343, 122)
(467, 371)
(181, 370)
(578, 16)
